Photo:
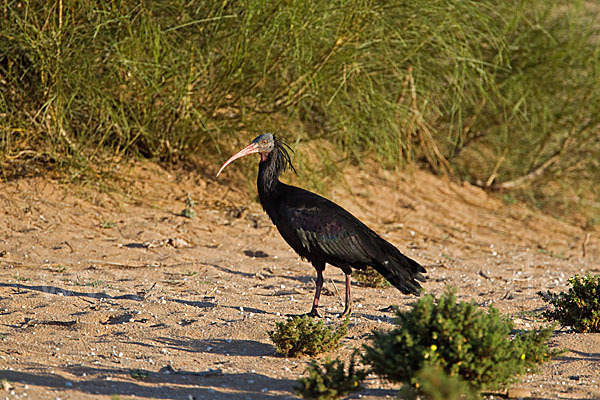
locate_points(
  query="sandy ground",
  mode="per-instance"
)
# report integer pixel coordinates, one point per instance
(102, 297)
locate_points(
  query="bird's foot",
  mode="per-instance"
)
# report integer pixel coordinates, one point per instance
(346, 313)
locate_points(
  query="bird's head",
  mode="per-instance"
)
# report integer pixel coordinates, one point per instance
(262, 144)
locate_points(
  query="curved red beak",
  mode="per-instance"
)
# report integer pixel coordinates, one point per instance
(250, 149)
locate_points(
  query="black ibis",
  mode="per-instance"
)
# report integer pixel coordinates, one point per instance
(322, 232)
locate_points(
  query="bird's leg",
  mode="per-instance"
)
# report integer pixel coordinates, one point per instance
(348, 306)
(313, 312)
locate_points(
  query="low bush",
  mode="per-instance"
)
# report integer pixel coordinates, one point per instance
(459, 338)
(441, 349)
(579, 307)
(330, 380)
(302, 335)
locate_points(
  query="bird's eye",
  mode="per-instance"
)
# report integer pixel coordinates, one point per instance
(264, 141)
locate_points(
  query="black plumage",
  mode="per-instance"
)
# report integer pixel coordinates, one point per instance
(321, 231)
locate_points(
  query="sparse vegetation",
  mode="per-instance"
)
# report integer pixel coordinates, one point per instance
(329, 380)
(441, 349)
(579, 308)
(95, 283)
(550, 253)
(61, 268)
(108, 225)
(22, 278)
(370, 278)
(189, 211)
(502, 94)
(139, 374)
(459, 338)
(303, 335)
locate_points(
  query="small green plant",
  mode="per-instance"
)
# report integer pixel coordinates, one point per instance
(139, 374)
(370, 278)
(303, 335)
(579, 307)
(108, 224)
(432, 383)
(189, 211)
(330, 380)
(509, 199)
(551, 253)
(460, 339)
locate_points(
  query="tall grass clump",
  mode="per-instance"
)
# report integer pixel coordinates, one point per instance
(500, 93)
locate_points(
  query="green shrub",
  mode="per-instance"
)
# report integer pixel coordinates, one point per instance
(370, 278)
(330, 380)
(432, 383)
(459, 338)
(303, 335)
(579, 307)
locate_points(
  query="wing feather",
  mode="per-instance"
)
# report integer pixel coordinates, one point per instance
(331, 235)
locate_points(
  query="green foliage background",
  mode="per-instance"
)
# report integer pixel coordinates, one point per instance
(503, 94)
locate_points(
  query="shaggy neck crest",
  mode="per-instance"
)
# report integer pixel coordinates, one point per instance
(276, 162)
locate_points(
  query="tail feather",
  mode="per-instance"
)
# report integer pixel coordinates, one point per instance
(401, 271)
